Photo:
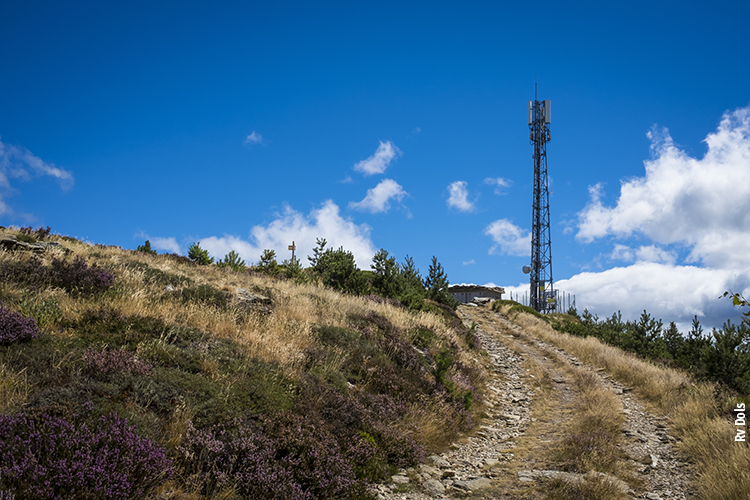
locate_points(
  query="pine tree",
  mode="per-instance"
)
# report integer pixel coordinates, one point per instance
(387, 280)
(146, 248)
(437, 283)
(199, 255)
(233, 261)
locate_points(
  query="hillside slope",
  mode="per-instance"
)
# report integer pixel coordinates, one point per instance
(187, 381)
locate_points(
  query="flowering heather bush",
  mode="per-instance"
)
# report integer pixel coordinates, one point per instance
(14, 327)
(119, 361)
(51, 457)
(39, 234)
(31, 272)
(80, 278)
(77, 277)
(383, 300)
(288, 459)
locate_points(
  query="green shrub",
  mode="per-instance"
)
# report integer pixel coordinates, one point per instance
(233, 261)
(387, 279)
(267, 263)
(443, 362)
(339, 271)
(199, 255)
(44, 311)
(203, 294)
(437, 283)
(146, 248)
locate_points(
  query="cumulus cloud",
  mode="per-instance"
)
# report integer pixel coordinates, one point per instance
(703, 203)
(378, 162)
(378, 198)
(166, 244)
(459, 197)
(470, 262)
(254, 138)
(291, 225)
(509, 239)
(669, 292)
(644, 253)
(499, 183)
(19, 163)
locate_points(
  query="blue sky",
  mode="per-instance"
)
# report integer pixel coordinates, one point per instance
(396, 125)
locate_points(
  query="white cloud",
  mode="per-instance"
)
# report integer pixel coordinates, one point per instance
(290, 225)
(377, 199)
(469, 262)
(653, 253)
(459, 197)
(509, 237)
(669, 292)
(701, 203)
(499, 183)
(254, 138)
(378, 162)
(623, 253)
(645, 253)
(167, 244)
(19, 163)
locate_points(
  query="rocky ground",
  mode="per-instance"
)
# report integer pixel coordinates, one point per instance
(505, 458)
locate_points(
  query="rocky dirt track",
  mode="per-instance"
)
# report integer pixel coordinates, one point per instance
(508, 456)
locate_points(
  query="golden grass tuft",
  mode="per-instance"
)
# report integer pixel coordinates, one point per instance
(592, 487)
(592, 434)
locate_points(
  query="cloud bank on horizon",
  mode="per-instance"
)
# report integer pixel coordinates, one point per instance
(679, 233)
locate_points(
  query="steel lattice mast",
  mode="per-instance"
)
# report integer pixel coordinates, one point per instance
(542, 294)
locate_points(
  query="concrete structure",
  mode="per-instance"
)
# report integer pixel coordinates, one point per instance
(465, 293)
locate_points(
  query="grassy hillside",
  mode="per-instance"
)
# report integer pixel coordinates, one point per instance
(125, 374)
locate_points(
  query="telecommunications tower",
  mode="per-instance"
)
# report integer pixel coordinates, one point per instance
(541, 293)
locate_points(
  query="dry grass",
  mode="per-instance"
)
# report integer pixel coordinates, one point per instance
(14, 387)
(592, 487)
(593, 432)
(280, 337)
(705, 435)
(655, 384)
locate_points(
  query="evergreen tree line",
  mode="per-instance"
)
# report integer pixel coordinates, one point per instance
(722, 356)
(337, 269)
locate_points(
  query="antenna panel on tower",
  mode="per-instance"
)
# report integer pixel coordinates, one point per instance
(531, 113)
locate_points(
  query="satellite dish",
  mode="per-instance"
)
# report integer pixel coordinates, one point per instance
(526, 269)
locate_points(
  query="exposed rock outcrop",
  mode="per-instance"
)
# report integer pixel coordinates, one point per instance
(11, 243)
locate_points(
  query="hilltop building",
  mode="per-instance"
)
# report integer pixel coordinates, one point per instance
(466, 293)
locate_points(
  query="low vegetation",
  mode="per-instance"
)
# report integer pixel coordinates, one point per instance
(159, 370)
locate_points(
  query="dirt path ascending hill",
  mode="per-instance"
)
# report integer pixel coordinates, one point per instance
(530, 401)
